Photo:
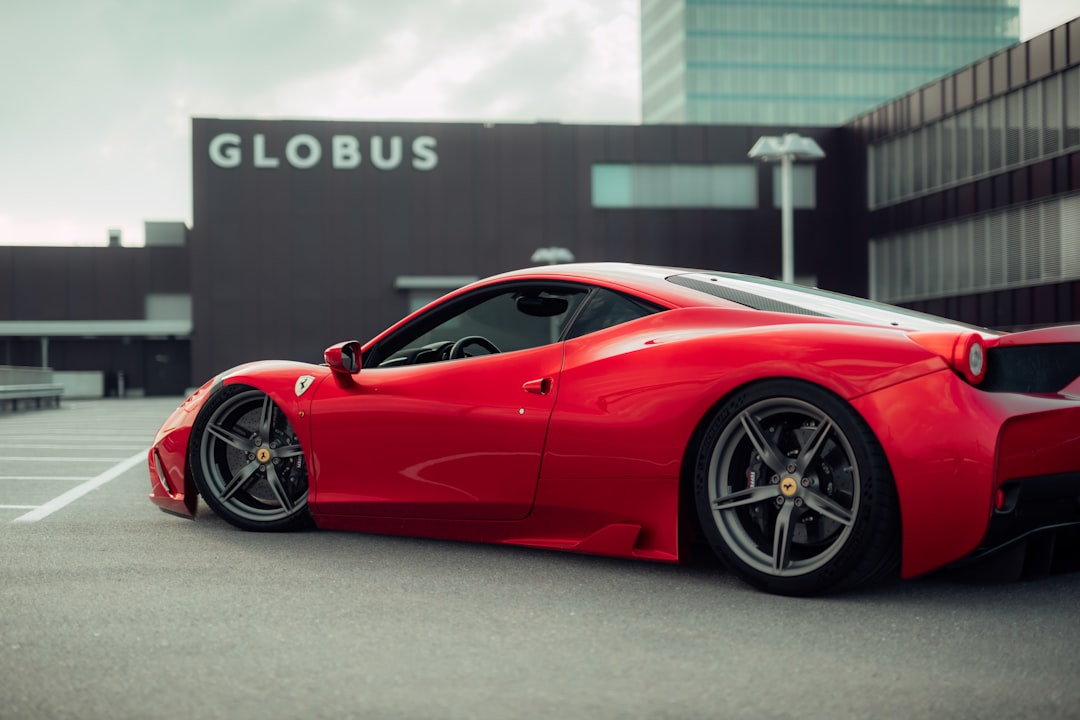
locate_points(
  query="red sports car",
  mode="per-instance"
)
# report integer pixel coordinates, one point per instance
(814, 441)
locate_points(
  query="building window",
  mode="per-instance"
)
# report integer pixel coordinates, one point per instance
(1014, 247)
(674, 186)
(1036, 122)
(424, 289)
(1071, 102)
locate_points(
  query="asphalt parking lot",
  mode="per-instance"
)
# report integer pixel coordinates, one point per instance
(112, 609)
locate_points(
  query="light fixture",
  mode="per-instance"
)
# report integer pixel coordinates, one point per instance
(786, 149)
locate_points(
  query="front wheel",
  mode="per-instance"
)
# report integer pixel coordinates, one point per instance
(247, 462)
(794, 492)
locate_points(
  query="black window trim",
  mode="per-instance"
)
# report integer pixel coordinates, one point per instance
(431, 319)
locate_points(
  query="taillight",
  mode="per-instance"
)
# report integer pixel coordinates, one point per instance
(969, 358)
(966, 353)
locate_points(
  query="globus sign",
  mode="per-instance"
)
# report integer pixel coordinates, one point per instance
(304, 151)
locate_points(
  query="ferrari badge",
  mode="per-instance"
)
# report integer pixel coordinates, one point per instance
(303, 383)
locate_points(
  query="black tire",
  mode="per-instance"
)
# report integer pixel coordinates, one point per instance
(794, 492)
(247, 462)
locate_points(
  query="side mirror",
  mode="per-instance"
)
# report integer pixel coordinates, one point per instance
(344, 357)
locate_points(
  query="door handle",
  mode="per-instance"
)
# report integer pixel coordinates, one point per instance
(538, 387)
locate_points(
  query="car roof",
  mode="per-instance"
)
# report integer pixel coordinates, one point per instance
(650, 280)
(688, 288)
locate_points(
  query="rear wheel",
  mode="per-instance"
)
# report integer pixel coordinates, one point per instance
(794, 492)
(247, 462)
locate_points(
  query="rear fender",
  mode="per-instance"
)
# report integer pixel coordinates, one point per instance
(939, 435)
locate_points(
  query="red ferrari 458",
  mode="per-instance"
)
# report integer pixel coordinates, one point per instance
(813, 441)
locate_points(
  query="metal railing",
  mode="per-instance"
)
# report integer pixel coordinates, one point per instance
(22, 388)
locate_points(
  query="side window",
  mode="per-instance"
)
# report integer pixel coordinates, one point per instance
(607, 308)
(491, 322)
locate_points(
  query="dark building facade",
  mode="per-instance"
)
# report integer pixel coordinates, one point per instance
(118, 311)
(310, 232)
(973, 189)
(959, 198)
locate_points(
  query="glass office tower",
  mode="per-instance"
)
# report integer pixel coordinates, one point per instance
(805, 62)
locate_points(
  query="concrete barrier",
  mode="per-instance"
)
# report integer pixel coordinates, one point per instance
(81, 384)
(22, 388)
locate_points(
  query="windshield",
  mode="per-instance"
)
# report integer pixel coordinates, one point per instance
(774, 296)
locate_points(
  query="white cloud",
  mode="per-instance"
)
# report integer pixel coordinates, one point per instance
(97, 119)
(1038, 16)
(98, 116)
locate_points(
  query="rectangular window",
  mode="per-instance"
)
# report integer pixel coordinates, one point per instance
(1031, 221)
(612, 186)
(907, 165)
(965, 257)
(1033, 121)
(963, 145)
(1014, 123)
(1050, 235)
(1071, 100)
(948, 151)
(997, 241)
(423, 289)
(1052, 115)
(933, 156)
(1013, 247)
(674, 186)
(919, 140)
(995, 154)
(892, 177)
(980, 120)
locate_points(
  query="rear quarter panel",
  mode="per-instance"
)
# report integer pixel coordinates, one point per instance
(630, 397)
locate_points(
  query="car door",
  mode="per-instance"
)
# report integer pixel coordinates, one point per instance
(435, 437)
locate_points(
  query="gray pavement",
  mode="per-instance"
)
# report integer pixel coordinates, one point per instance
(112, 609)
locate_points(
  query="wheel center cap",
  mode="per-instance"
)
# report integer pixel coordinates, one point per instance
(788, 486)
(263, 456)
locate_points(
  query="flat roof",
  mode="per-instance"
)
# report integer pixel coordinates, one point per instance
(94, 328)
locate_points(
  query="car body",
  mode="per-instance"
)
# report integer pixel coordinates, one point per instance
(813, 441)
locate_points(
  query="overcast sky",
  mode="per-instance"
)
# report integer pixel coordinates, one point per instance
(98, 95)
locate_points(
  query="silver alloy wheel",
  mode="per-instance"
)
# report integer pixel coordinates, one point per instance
(251, 464)
(783, 487)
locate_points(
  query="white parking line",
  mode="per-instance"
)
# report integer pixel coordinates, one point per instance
(78, 491)
(34, 446)
(65, 459)
(44, 477)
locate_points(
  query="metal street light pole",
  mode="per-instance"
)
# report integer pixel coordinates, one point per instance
(786, 149)
(787, 234)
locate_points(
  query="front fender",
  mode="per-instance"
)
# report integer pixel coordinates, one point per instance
(290, 385)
